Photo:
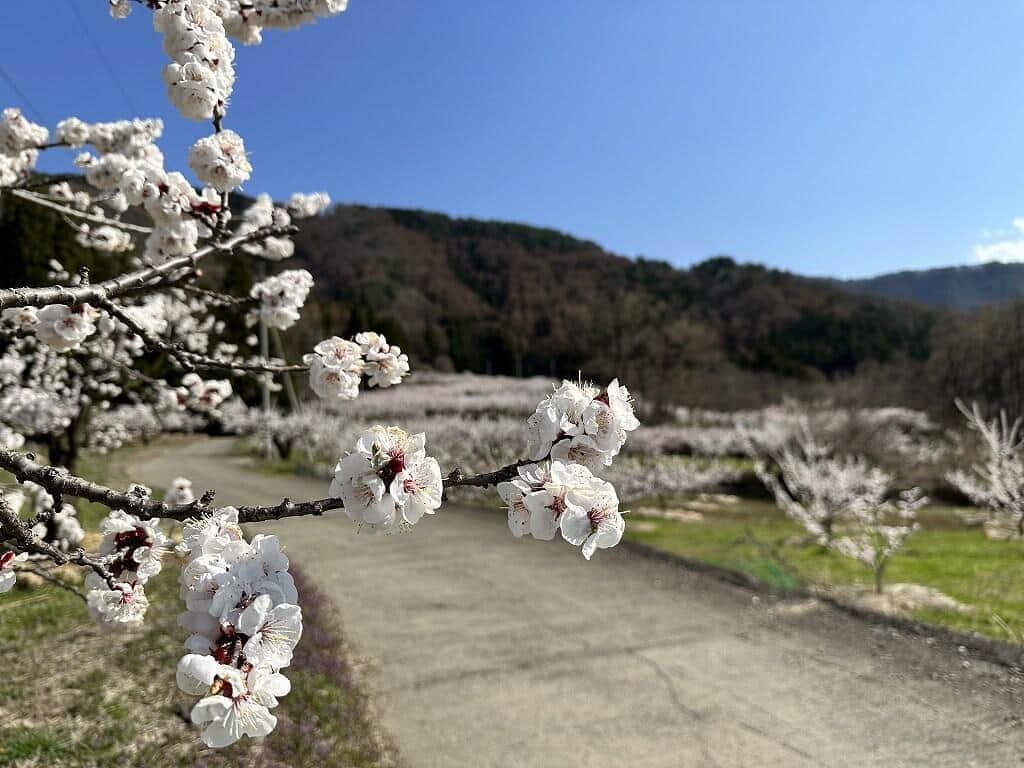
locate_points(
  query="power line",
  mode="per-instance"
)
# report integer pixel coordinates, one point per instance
(103, 58)
(36, 114)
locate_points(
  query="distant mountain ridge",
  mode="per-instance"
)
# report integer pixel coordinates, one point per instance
(966, 287)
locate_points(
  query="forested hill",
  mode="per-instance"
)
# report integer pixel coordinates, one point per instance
(960, 287)
(508, 298)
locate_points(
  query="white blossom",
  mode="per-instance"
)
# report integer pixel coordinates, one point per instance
(180, 492)
(304, 206)
(132, 548)
(273, 631)
(8, 577)
(121, 607)
(62, 327)
(581, 424)
(281, 296)
(388, 479)
(239, 704)
(220, 161)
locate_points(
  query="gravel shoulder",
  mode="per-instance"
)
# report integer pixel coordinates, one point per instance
(490, 651)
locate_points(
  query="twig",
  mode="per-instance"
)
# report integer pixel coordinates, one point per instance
(50, 578)
(67, 210)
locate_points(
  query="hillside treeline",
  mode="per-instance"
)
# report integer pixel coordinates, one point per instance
(494, 297)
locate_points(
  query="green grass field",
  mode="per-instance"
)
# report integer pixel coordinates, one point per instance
(754, 537)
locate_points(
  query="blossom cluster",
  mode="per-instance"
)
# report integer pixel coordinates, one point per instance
(242, 611)
(8, 576)
(303, 205)
(201, 75)
(198, 394)
(60, 528)
(20, 140)
(263, 213)
(281, 296)
(220, 161)
(180, 492)
(59, 326)
(388, 481)
(131, 138)
(246, 19)
(336, 365)
(879, 530)
(132, 551)
(581, 424)
(553, 496)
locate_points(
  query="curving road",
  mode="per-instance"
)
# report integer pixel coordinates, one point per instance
(496, 652)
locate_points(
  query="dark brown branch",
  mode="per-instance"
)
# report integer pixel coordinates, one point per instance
(13, 528)
(186, 359)
(24, 467)
(130, 281)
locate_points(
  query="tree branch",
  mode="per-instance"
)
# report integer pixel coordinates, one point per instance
(12, 527)
(24, 467)
(186, 359)
(35, 197)
(148, 277)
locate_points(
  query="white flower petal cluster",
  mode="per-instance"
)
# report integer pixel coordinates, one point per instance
(386, 364)
(388, 480)
(281, 297)
(245, 621)
(305, 206)
(7, 574)
(263, 213)
(581, 424)
(132, 551)
(61, 327)
(103, 238)
(131, 547)
(337, 365)
(554, 496)
(63, 529)
(24, 318)
(9, 439)
(220, 161)
(180, 492)
(247, 20)
(18, 133)
(204, 394)
(120, 9)
(121, 607)
(201, 74)
(131, 138)
(335, 369)
(235, 702)
(19, 142)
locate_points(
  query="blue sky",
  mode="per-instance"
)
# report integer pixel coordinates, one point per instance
(847, 137)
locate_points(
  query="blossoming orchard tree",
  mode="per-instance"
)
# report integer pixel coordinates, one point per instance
(113, 357)
(998, 483)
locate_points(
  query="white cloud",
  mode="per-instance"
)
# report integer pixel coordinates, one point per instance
(1008, 249)
(1004, 250)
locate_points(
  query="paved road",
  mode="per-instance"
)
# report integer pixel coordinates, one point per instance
(497, 652)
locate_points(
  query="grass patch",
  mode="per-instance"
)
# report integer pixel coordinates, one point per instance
(756, 538)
